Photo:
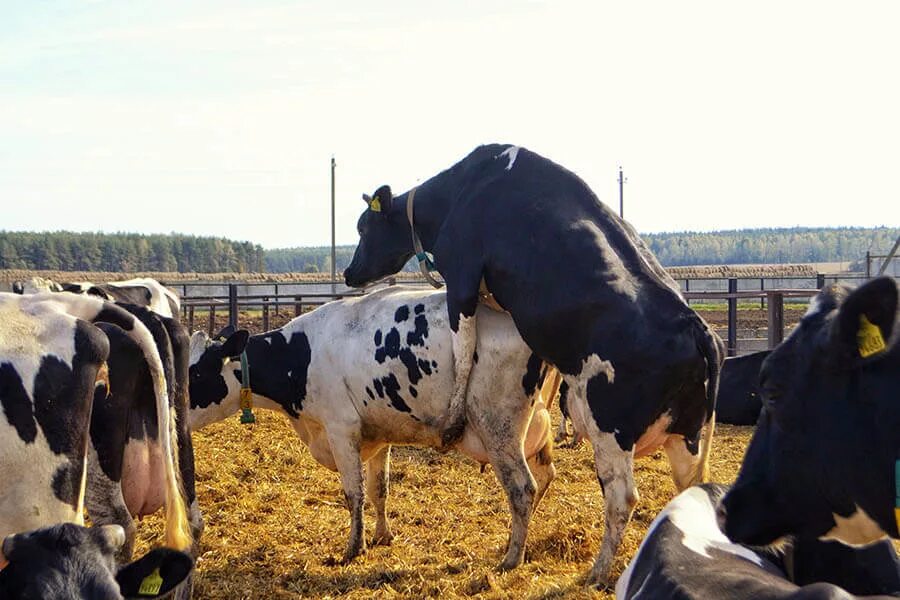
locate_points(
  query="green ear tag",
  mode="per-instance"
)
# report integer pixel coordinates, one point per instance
(151, 584)
(375, 204)
(869, 338)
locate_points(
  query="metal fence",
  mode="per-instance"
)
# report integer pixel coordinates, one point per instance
(204, 301)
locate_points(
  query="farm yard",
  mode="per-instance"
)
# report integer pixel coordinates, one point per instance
(276, 524)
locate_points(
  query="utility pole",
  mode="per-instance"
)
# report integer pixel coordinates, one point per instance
(621, 194)
(333, 250)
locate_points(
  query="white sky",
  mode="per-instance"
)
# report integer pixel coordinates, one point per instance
(220, 118)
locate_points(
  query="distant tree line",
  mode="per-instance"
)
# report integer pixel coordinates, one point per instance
(68, 251)
(771, 246)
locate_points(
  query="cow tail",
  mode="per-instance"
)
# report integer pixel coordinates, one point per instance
(714, 352)
(178, 532)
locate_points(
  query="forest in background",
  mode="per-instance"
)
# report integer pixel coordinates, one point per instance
(68, 251)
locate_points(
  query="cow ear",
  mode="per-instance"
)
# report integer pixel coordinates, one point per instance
(224, 333)
(865, 320)
(236, 343)
(155, 574)
(381, 200)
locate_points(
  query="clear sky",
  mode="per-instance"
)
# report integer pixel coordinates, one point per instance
(220, 118)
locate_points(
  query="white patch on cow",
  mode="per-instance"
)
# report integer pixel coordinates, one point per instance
(511, 153)
(199, 342)
(856, 530)
(694, 514)
(159, 295)
(814, 306)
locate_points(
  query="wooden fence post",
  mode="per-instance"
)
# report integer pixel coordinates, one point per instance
(732, 317)
(820, 280)
(190, 316)
(298, 306)
(276, 299)
(232, 305)
(212, 320)
(776, 319)
(265, 315)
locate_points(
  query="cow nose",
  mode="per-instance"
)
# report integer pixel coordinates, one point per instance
(721, 514)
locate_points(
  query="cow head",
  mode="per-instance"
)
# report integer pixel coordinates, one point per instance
(821, 462)
(212, 379)
(67, 561)
(384, 240)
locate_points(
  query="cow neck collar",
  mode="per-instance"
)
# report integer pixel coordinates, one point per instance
(425, 264)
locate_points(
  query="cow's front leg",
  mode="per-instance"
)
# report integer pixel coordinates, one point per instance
(377, 486)
(345, 448)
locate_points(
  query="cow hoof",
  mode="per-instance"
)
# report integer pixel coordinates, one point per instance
(509, 564)
(597, 581)
(383, 539)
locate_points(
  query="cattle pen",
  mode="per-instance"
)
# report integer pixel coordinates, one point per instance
(211, 304)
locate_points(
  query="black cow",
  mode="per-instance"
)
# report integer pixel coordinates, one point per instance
(738, 402)
(50, 358)
(685, 556)
(586, 294)
(823, 461)
(127, 470)
(70, 562)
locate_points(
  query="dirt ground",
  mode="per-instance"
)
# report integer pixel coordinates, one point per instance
(276, 522)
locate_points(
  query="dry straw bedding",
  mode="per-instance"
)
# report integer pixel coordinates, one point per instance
(276, 522)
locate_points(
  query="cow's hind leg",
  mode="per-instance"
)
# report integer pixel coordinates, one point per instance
(684, 458)
(512, 470)
(615, 471)
(106, 505)
(377, 486)
(349, 465)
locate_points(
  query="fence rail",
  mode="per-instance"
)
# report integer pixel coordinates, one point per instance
(296, 299)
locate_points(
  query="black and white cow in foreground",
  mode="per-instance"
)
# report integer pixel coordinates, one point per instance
(823, 461)
(685, 556)
(142, 291)
(738, 402)
(70, 562)
(50, 356)
(358, 375)
(587, 296)
(127, 465)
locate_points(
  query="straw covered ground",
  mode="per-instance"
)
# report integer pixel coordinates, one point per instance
(276, 523)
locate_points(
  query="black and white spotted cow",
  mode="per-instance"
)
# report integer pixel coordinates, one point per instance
(70, 562)
(586, 294)
(685, 556)
(50, 357)
(825, 458)
(127, 471)
(358, 375)
(738, 402)
(142, 291)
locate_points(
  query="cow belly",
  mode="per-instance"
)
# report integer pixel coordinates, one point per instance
(143, 477)
(535, 437)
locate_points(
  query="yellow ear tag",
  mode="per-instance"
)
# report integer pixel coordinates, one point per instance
(375, 204)
(246, 398)
(151, 584)
(869, 338)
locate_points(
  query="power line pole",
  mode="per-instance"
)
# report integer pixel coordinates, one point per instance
(333, 250)
(621, 194)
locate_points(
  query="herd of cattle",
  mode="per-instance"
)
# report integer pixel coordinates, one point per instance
(101, 386)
